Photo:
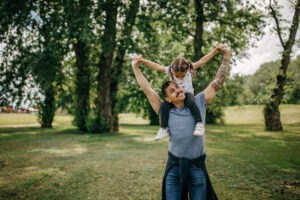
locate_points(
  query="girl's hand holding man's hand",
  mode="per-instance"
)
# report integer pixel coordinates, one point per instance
(221, 48)
(136, 60)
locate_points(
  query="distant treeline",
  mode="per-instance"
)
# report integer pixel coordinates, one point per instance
(257, 87)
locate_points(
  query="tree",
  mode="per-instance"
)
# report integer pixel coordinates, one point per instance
(78, 18)
(34, 58)
(14, 75)
(122, 46)
(195, 27)
(271, 109)
(117, 19)
(230, 21)
(47, 62)
(104, 118)
(155, 41)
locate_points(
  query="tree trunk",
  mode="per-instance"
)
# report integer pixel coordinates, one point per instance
(119, 61)
(47, 108)
(198, 41)
(271, 110)
(82, 85)
(48, 66)
(108, 44)
(272, 117)
(77, 16)
(198, 44)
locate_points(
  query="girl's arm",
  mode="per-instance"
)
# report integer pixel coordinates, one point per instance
(208, 57)
(151, 64)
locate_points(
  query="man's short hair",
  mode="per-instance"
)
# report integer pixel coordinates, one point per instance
(164, 88)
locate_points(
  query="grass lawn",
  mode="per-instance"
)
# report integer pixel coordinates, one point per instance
(243, 160)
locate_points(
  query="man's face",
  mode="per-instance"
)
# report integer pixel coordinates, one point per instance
(175, 93)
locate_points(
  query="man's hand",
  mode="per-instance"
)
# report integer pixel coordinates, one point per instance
(139, 58)
(221, 48)
(135, 62)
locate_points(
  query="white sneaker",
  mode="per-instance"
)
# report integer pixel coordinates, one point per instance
(161, 133)
(199, 129)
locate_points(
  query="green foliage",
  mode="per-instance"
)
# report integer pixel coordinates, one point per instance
(95, 123)
(177, 31)
(47, 66)
(232, 91)
(292, 87)
(78, 18)
(14, 15)
(34, 54)
(258, 87)
(66, 87)
(215, 114)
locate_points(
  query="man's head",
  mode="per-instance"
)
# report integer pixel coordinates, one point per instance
(172, 92)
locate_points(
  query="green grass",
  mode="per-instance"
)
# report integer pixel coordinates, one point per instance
(290, 114)
(243, 160)
(31, 120)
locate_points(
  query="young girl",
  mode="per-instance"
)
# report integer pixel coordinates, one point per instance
(181, 72)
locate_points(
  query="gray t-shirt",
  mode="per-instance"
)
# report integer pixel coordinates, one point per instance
(181, 124)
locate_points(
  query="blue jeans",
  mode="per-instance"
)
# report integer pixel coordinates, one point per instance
(196, 183)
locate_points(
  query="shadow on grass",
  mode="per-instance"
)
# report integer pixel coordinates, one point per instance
(132, 134)
(19, 129)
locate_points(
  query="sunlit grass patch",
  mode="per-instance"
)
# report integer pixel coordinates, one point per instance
(130, 118)
(17, 118)
(253, 114)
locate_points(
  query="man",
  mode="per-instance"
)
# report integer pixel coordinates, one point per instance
(186, 174)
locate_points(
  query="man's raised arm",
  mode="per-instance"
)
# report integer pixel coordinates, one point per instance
(151, 64)
(211, 91)
(146, 87)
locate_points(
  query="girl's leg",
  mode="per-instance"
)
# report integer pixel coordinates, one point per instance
(164, 118)
(164, 113)
(190, 103)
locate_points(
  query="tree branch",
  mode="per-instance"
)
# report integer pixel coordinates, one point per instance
(294, 27)
(278, 29)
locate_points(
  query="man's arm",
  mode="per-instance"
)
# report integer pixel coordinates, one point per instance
(208, 57)
(151, 64)
(146, 87)
(211, 91)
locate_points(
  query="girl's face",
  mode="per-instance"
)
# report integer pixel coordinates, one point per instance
(180, 75)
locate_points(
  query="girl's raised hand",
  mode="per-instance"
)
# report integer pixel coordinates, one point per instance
(134, 62)
(138, 58)
(220, 48)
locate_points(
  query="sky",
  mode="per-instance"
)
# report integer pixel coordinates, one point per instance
(267, 49)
